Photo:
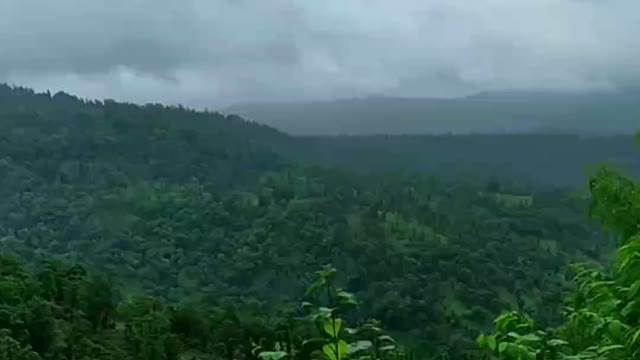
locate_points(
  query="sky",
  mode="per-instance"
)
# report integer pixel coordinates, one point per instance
(212, 53)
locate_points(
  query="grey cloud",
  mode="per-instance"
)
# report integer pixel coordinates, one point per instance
(209, 52)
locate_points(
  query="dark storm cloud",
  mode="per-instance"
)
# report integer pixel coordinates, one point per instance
(218, 51)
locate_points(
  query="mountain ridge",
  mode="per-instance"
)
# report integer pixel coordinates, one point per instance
(605, 112)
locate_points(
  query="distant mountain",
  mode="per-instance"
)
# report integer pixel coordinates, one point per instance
(492, 112)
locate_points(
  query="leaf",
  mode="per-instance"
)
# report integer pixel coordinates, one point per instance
(351, 331)
(386, 338)
(387, 348)
(628, 309)
(370, 327)
(491, 342)
(332, 327)
(359, 346)
(306, 304)
(557, 342)
(255, 348)
(272, 355)
(323, 313)
(334, 352)
(316, 285)
(502, 347)
(346, 298)
(481, 340)
(529, 338)
(513, 335)
(312, 341)
(634, 339)
(327, 272)
(328, 351)
(633, 290)
(609, 348)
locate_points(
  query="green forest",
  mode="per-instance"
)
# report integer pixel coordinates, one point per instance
(160, 232)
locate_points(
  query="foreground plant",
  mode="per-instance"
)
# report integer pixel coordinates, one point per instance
(603, 313)
(334, 340)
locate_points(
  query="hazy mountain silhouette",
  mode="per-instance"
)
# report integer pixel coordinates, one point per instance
(490, 112)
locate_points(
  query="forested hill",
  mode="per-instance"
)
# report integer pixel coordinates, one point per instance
(153, 232)
(541, 160)
(60, 138)
(488, 113)
(230, 151)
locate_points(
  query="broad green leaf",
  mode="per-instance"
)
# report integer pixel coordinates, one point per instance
(491, 342)
(529, 338)
(335, 351)
(481, 340)
(502, 347)
(332, 327)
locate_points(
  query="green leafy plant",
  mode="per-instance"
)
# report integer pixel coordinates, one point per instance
(334, 339)
(602, 314)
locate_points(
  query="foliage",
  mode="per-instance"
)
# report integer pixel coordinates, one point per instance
(213, 233)
(58, 310)
(333, 339)
(602, 312)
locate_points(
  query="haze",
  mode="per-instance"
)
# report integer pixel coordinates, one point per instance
(217, 53)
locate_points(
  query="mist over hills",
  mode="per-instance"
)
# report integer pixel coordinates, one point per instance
(489, 112)
(229, 150)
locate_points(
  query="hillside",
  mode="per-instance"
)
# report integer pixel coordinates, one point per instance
(159, 142)
(212, 214)
(57, 139)
(494, 113)
(546, 161)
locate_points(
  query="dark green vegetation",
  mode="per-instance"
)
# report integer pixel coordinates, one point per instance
(541, 161)
(202, 235)
(60, 311)
(489, 113)
(602, 311)
(543, 139)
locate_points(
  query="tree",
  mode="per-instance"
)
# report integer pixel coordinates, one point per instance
(603, 312)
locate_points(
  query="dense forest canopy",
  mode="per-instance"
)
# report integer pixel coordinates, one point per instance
(236, 150)
(537, 160)
(602, 311)
(154, 232)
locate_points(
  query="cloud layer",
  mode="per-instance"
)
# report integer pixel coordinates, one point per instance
(214, 52)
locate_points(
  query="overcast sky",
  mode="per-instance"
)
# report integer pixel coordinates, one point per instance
(215, 52)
